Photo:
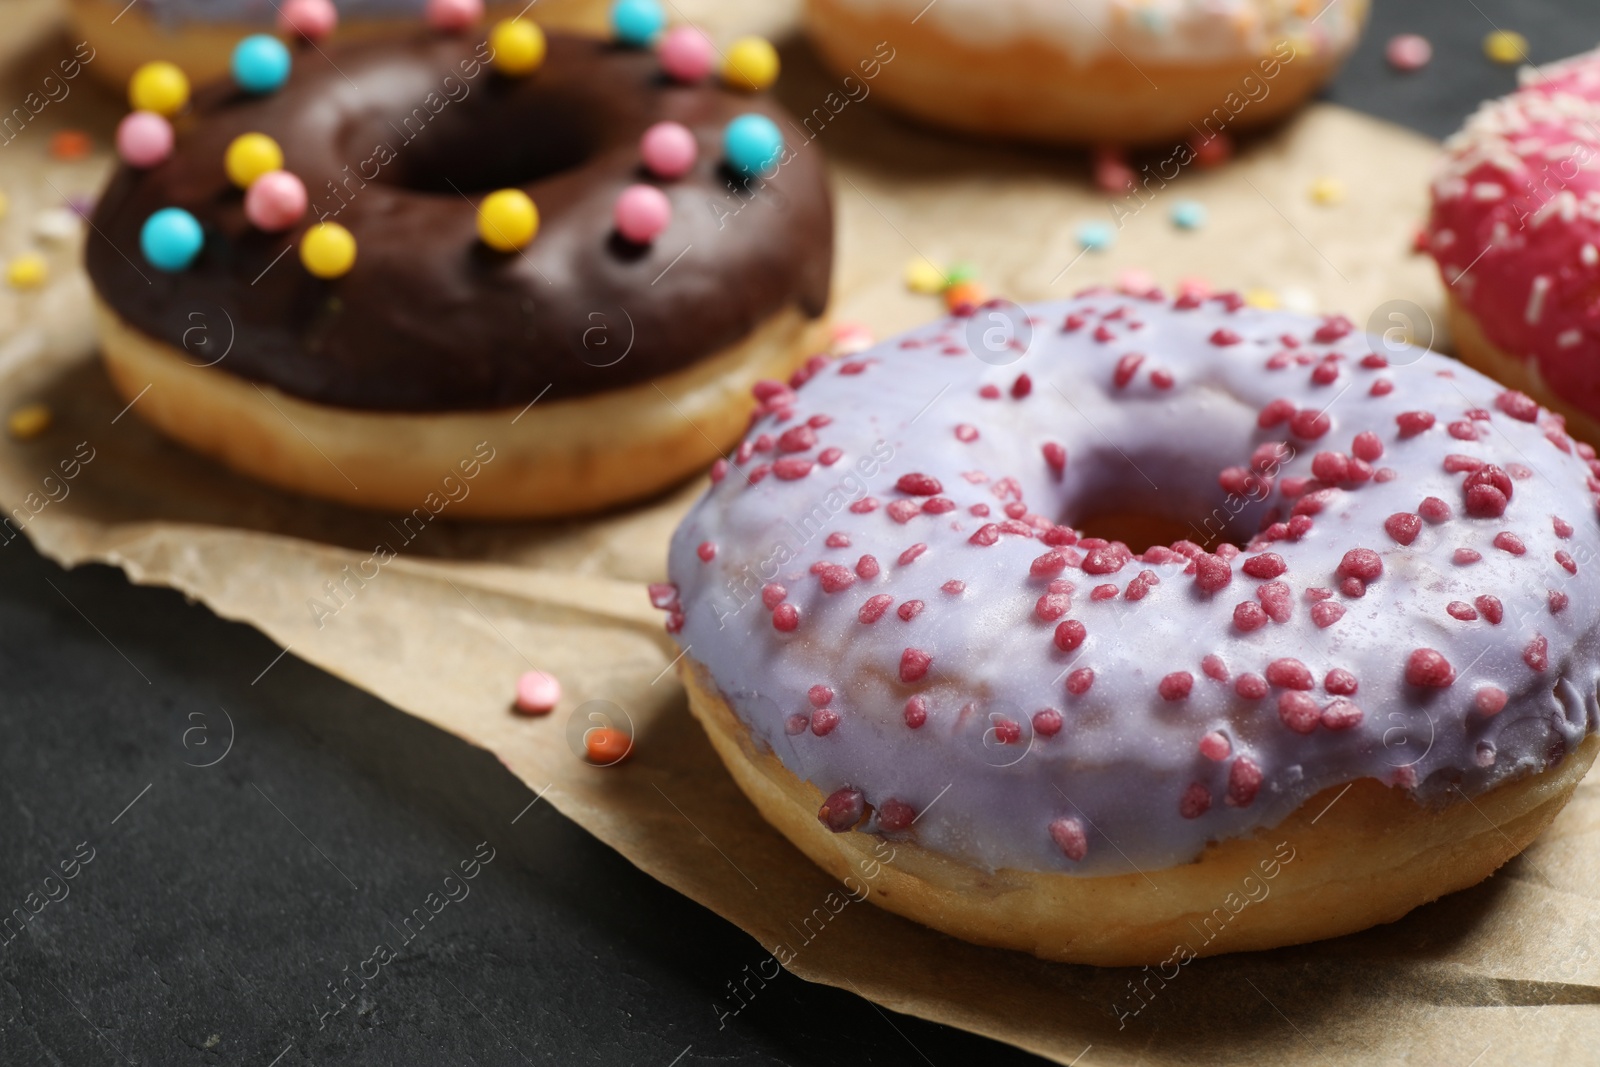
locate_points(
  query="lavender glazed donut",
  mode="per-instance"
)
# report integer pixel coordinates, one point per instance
(1515, 229)
(1366, 675)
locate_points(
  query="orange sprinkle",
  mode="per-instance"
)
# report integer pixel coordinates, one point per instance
(605, 745)
(969, 292)
(70, 144)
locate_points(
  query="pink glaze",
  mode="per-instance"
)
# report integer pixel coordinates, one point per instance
(668, 150)
(312, 19)
(642, 213)
(144, 138)
(1515, 226)
(275, 201)
(686, 54)
(1367, 589)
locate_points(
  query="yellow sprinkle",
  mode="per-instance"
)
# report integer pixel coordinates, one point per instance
(249, 156)
(752, 64)
(328, 250)
(923, 277)
(1328, 191)
(1302, 44)
(519, 47)
(1506, 46)
(507, 220)
(26, 272)
(160, 87)
(1265, 299)
(29, 422)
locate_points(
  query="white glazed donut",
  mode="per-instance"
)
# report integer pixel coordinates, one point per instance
(1388, 579)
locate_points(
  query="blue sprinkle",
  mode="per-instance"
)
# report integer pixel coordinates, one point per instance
(1097, 236)
(170, 239)
(1188, 214)
(752, 144)
(260, 63)
(637, 22)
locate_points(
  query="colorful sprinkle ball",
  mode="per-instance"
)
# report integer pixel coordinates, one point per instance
(1265, 299)
(537, 693)
(519, 47)
(922, 276)
(1135, 281)
(275, 201)
(249, 156)
(1408, 52)
(668, 150)
(27, 271)
(328, 250)
(29, 421)
(637, 22)
(752, 143)
(1111, 171)
(507, 220)
(1212, 151)
(687, 55)
(1189, 214)
(312, 19)
(1097, 236)
(57, 224)
(962, 271)
(969, 293)
(452, 16)
(70, 145)
(752, 64)
(1506, 46)
(160, 87)
(260, 63)
(642, 213)
(605, 745)
(1328, 191)
(171, 238)
(144, 139)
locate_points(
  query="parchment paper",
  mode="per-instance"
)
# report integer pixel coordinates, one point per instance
(1506, 972)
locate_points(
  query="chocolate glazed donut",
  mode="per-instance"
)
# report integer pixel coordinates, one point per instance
(636, 355)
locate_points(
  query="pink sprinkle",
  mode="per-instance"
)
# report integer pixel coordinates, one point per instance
(1403, 527)
(773, 594)
(1309, 424)
(1298, 712)
(896, 815)
(1052, 606)
(1274, 413)
(1215, 746)
(1367, 447)
(641, 214)
(1055, 456)
(914, 665)
(785, 618)
(1127, 367)
(1568, 564)
(1490, 700)
(1506, 541)
(874, 608)
(867, 567)
(865, 505)
(916, 712)
(796, 724)
(1266, 565)
(1162, 379)
(538, 692)
(1244, 782)
(1251, 686)
(823, 720)
(1412, 423)
(838, 540)
(1211, 573)
(1362, 563)
(1047, 722)
(453, 16)
(954, 587)
(1537, 654)
(1557, 601)
(1340, 682)
(1488, 491)
(1408, 52)
(903, 511)
(1434, 510)
(1492, 609)
(792, 468)
(686, 55)
(919, 485)
(1176, 685)
(1070, 634)
(1195, 802)
(1289, 674)
(985, 535)
(1276, 601)
(719, 470)
(1214, 667)
(990, 392)
(1326, 613)
(797, 439)
(966, 433)
(275, 201)
(912, 553)
(1103, 592)
(1248, 617)
(1381, 387)
(311, 19)
(707, 551)
(1429, 669)
(1465, 556)
(1562, 527)
(820, 696)
(1519, 406)
(1021, 387)
(1223, 337)
(1079, 681)
(1458, 609)
(1048, 565)
(1341, 714)
(668, 149)
(834, 578)
(910, 610)
(1069, 836)
(938, 505)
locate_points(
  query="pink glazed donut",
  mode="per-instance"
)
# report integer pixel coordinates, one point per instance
(1515, 229)
(1363, 676)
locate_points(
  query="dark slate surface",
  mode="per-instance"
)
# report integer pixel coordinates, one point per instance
(220, 902)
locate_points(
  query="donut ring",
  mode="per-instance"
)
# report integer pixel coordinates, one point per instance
(366, 388)
(1379, 630)
(1515, 229)
(1091, 71)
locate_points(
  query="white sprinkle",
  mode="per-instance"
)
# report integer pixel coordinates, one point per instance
(1569, 338)
(1443, 238)
(1541, 286)
(1590, 255)
(56, 224)
(1488, 191)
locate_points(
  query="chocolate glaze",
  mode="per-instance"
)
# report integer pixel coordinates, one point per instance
(397, 139)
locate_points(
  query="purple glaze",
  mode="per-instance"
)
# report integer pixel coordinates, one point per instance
(1132, 780)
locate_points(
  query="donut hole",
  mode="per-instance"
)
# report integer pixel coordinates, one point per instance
(1184, 503)
(480, 145)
